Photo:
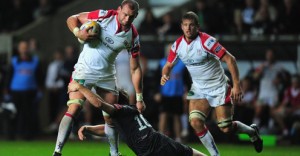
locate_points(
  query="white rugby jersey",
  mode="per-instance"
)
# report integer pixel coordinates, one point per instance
(99, 62)
(202, 59)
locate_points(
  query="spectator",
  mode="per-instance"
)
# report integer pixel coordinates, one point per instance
(288, 18)
(289, 107)
(168, 27)
(244, 18)
(45, 8)
(54, 86)
(170, 97)
(149, 24)
(262, 23)
(24, 83)
(267, 73)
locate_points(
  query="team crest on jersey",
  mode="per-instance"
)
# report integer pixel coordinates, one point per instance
(209, 43)
(173, 47)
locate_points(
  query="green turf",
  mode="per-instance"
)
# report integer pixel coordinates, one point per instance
(98, 148)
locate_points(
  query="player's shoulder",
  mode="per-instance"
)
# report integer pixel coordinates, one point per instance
(177, 42)
(207, 40)
(101, 14)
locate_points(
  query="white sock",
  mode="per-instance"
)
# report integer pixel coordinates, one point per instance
(63, 131)
(241, 128)
(208, 141)
(113, 139)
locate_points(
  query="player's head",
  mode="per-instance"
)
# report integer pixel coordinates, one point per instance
(190, 24)
(123, 97)
(127, 12)
(23, 48)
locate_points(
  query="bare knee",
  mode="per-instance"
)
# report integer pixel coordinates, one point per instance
(226, 130)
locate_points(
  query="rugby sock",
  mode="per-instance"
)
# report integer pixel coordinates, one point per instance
(242, 128)
(64, 131)
(113, 139)
(184, 121)
(208, 141)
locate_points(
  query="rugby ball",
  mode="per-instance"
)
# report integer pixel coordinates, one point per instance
(95, 29)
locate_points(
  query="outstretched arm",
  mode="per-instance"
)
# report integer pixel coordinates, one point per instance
(94, 99)
(166, 73)
(94, 130)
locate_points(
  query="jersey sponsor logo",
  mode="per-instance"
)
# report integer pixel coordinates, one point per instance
(209, 43)
(109, 40)
(219, 47)
(190, 61)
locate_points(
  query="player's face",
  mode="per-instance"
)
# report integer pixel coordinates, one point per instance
(126, 15)
(189, 28)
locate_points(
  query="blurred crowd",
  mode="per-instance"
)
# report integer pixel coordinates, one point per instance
(15, 14)
(33, 88)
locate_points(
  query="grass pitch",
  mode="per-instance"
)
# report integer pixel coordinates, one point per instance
(100, 148)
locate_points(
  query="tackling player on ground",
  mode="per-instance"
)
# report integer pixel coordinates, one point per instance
(137, 132)
(201, 53)
(96, 66)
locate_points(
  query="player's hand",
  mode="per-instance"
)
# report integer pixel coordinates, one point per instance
(81, 132)
(164, 79)
(140, 105)
(236, 94)
(73, 86)
(86, 35)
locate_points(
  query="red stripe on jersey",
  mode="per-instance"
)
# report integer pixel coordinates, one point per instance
(135, 51)
(172, 54)
(227, 98)
(93, 14)
(217, 49)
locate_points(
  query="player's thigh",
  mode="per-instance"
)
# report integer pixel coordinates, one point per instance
(201, 105)
(224, 112)
(110, 97)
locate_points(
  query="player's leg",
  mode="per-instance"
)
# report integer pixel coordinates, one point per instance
(74, 107)
(163, 115)
(110, 132)
(199, 109)
(224, 116)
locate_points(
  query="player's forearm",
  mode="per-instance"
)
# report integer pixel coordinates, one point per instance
(90, 96)
(95, 130)
(137, 80)
(166, 70)
(73, 22)
(233, 69)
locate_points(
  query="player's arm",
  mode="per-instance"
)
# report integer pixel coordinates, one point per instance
(236, 93)
(94, 99)
(97, 130)
(75, 21)
(137, 80)
(166, 72)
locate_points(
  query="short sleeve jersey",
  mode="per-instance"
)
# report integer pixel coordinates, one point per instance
(202, 59)
(99, 62)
